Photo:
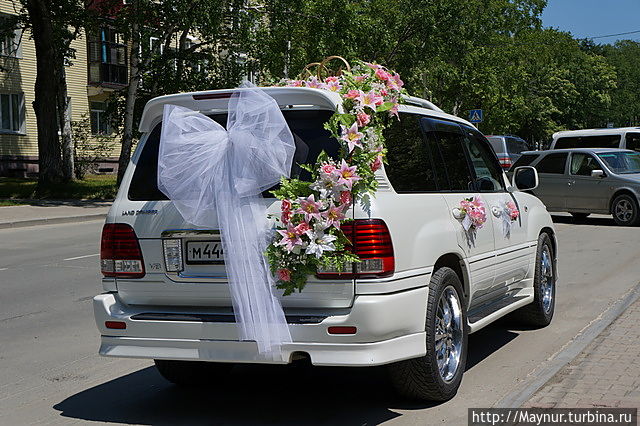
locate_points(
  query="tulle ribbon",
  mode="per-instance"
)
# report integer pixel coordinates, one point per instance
(216, 176)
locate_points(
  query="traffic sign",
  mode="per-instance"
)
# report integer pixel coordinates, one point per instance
(475, 116)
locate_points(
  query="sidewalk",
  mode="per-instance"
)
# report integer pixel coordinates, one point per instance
(605, 374)
(50, 212)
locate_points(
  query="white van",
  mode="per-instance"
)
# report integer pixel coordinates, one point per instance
(621, 137)
(436, 284)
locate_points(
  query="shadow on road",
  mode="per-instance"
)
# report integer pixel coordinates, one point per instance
(253, 394)
(593, 221)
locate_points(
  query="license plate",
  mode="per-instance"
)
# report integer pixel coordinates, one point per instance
(205, 253)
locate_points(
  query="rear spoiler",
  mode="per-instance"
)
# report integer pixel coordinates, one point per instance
(212, 101)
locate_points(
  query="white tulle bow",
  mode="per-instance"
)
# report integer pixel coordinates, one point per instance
(215, 177)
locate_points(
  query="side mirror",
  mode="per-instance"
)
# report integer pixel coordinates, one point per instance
(597, 173)
(525, 178)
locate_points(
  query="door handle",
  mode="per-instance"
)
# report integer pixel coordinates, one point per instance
(496, 211)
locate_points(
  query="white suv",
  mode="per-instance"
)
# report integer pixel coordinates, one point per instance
(431, 284)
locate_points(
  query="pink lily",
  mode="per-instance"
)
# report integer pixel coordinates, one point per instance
(290, 239)
(370, 99)
(310, 208)
(334, 215)
(347, 175)
(352, 136)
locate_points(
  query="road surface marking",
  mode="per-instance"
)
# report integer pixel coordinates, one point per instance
(82, 257)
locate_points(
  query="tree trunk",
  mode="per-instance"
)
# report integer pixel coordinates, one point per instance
(132, 90)
(64, 122)
(49, 158)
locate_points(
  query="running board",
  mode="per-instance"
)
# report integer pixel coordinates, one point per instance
(485, 315)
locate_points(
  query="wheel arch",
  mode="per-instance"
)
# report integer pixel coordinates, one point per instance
(622, 191)
(455, 262)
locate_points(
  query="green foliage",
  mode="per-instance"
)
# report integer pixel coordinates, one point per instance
(92, 187)
(90, 149)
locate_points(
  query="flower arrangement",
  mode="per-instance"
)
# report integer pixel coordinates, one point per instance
(308, 234)
(473, 213)
(512, 210)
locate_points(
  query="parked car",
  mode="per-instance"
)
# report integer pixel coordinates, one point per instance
(413, 311)
(622, 137)
(508, 149)
(588, 180)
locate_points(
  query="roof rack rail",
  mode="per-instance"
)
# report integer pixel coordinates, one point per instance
(412, 100)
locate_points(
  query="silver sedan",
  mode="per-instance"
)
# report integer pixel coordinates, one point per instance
(582, 181)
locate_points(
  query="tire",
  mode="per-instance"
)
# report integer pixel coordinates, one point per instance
(420, 378)
(539, 313)
(579, 217)
(624, 209)
(191, 373)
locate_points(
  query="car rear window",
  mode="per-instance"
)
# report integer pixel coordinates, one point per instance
(516, 146)
(308, 130)
(525, 160)
(633, 141)
(496, 143)
(552, 163)
(601, 141)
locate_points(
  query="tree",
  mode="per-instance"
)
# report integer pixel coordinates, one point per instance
(198, 46)
(624, 55)
(53, 24)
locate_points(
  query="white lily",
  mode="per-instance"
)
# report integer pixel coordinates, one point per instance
(319, 242)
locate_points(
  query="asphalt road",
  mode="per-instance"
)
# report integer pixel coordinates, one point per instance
(50, 372)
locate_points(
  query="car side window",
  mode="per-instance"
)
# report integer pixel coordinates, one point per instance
(597, 141)
(582, 164)
(485, 164)
(633, 141)
(410, 167)
(552, 163)
(450, 153)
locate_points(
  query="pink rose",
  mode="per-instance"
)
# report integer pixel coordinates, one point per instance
(363, 119)
(352, 94)
(345, 197)
(377, 163)
(283, 274)
(331, 79)
(301, 228)
(382, 74)
(285, 205)
(327, 169)
(285, 217)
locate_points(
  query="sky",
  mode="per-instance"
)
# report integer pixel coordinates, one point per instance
(593, 18)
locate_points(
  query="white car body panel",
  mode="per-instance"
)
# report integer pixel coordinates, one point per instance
(389, 313)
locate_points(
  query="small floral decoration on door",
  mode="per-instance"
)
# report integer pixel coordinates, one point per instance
(512, 210)
(471, 213)
(308, 233)
(509, 214)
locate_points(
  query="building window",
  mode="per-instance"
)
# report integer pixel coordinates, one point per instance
(12, 112)
(107, 58)
(10, 43)
(100, 124)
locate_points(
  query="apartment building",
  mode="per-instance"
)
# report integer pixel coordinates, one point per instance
(99, 68)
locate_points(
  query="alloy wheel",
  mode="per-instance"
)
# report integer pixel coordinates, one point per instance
(546, 279)
(449, 333)
(624, 210)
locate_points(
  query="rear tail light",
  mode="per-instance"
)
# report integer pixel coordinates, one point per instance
(505, 162)
(120, 254)
(371, 242)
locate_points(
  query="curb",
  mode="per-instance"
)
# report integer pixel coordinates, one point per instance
(52, 221)
(539, 378)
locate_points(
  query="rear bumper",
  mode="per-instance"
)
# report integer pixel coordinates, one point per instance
(390, 328)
